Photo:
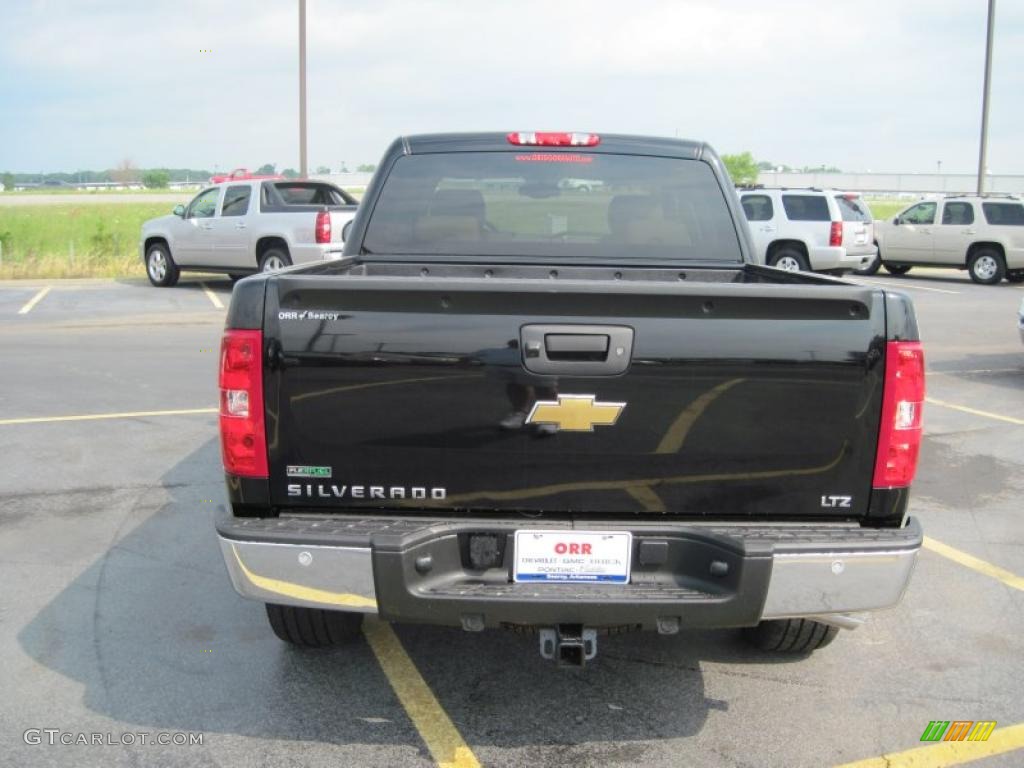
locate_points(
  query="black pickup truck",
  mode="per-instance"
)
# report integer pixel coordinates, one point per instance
(549, 389)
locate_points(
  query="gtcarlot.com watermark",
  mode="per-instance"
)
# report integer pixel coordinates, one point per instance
(55, 736)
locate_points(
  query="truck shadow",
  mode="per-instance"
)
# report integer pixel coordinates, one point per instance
(157, 638)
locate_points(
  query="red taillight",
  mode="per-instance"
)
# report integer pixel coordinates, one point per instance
(835, 235)
(553, 139)
(899, 437)
(323, 227)
(243, 437)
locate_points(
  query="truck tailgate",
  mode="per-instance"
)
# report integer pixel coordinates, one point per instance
(397, 389)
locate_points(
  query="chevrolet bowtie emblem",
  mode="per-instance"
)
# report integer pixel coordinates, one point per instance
(575, 413)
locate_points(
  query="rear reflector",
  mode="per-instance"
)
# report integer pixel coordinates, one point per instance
(552, 139)
(899, 437)
(243, 435)
(323, 227)
(835, 235)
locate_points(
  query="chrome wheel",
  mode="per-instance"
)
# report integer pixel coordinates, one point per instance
(157, 265)
(986, 267)
(788, 263)
(273, 263)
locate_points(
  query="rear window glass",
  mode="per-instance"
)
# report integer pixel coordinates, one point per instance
(552, 204)
(304, 193)
(853, 208)
(957, 213)
(236, 201)
(1004, 213)
(806, 208)
(758, 207)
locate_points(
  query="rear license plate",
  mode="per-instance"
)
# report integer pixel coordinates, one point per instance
(862, 238)
(573, 556)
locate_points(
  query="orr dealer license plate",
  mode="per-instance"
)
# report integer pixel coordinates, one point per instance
(573, 556)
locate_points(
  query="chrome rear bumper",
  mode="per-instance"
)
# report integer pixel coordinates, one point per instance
(823, 572)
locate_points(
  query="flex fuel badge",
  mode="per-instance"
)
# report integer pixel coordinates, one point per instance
(297, 470)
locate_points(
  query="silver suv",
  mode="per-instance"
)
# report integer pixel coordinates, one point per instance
(824, 230)
(982, 234)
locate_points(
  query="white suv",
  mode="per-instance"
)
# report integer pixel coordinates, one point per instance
(809, 229)
(984, 235)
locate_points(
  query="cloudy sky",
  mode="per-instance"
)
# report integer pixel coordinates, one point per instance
(870, 85)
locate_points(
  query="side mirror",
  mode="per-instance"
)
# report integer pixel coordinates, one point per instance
(179, 210)
(897, 221)
(346, 229)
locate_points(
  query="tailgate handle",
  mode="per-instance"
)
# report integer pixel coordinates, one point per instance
(576, 350)
(576, 346)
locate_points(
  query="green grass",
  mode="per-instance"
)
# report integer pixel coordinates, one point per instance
(885, 209)
(90, 240)
(101, 191)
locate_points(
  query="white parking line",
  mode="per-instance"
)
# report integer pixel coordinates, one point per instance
(902, 284)
(34, 300)
(213, 297)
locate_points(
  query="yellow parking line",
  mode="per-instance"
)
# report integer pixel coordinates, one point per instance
(948, 752)
(213, 297)
(98, 416)
(974, 563)
(975, 411)
(34, 300)
(435, 727)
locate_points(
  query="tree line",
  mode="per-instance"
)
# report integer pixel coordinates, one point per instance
(155, 178)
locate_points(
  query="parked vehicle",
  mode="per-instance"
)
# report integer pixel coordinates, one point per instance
(1020, 319)
(245, 227)
(486, 414)
(242, 174)
(982, 234)
(823, 230)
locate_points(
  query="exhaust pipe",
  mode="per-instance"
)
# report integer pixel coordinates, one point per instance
(570, 645)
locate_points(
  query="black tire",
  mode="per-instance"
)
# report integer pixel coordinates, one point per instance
(872, 266)
(160, 267)
(274, 259)
(986, 266)
(313, 627)
(790, 635)
(896, 269)
(1015, 276)
(789, 256)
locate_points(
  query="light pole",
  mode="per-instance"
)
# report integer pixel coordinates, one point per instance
(303, 170)
(982, 156)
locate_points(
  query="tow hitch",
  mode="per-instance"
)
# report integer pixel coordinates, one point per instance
(570, 645)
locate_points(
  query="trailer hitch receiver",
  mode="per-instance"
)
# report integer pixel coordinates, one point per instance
(570, 645)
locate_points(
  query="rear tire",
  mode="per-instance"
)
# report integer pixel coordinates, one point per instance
(160, 267)
(313, 627)
(274, 259)
(986, 266)
(790, 635)
(896, 269)
(790, 260)
(872, 266)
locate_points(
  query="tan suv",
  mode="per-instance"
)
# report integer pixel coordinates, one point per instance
(982, 234)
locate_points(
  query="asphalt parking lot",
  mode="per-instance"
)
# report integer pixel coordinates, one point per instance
(117, 616)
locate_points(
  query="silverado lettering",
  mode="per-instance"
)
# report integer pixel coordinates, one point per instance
(364, 492)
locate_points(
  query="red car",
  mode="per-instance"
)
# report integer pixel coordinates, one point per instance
(241, 174)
